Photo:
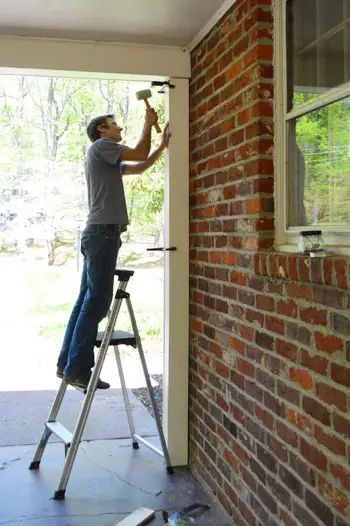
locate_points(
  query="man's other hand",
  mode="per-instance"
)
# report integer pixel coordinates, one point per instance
(166, 136)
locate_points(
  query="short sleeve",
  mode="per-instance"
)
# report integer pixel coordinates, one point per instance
(110, 151)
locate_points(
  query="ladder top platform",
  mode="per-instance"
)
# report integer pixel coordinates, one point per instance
(118, 338)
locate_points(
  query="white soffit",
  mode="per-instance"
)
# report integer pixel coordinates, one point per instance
(154, 22)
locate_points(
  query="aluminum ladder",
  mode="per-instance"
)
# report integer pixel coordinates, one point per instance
(109, 337)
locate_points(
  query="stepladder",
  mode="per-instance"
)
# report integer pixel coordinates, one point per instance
(109, 337)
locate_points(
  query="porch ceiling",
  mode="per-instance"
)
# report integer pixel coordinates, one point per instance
(158, 22)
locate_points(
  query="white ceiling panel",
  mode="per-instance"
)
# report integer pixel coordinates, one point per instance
(158, 22)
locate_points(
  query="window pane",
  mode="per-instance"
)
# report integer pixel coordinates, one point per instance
(319, 161)
(317, 37)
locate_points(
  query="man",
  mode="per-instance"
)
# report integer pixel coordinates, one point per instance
(107, 218)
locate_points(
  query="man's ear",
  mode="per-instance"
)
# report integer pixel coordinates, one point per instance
(100, 127)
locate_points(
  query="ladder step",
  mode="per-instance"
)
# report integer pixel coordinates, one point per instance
(118, 338)
(60, 431)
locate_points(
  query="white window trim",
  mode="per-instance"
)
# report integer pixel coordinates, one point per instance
(337, 239)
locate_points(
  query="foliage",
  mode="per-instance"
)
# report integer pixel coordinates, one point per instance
(323, 138)
(43, 143)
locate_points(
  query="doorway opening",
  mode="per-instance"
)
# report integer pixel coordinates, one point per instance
(42, 209)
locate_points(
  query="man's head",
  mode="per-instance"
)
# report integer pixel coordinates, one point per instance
(104, 127)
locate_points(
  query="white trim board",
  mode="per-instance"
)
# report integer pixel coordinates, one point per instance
(212, 22)
(94, 57)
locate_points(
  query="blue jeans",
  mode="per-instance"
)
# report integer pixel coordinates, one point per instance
(100, 250)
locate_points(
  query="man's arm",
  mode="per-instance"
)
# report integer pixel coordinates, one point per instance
(142, 149)
(140, 168)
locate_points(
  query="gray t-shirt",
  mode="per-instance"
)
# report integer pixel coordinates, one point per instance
(105, 190)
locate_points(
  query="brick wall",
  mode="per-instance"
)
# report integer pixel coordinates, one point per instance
(270, 333)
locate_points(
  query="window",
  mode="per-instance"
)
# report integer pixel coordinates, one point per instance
(312, 65)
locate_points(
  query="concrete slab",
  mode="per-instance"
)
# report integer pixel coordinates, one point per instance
(23, 413)
(109, 480)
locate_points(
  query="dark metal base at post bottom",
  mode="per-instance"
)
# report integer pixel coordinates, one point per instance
(35, 464)
(60, 494)
(170, 470)
(135, 445)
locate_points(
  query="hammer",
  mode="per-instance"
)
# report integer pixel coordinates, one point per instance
(145, 94)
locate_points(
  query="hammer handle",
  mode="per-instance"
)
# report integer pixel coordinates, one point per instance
(156, 125)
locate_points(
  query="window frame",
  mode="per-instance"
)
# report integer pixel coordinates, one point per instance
(336, 239)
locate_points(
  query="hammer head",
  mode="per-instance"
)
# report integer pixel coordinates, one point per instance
(143, 94)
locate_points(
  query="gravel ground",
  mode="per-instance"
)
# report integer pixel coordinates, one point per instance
(142, 394)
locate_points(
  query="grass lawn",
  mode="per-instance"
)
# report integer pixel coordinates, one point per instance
(51, 292)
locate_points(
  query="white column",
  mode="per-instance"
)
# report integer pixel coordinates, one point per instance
(176, 281)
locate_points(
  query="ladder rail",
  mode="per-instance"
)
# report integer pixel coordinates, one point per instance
(84, 412)
(149, 385)
(72, 440)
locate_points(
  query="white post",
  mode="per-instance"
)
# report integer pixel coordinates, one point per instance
(176, 279)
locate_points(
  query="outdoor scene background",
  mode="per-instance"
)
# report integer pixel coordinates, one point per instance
(43, 143)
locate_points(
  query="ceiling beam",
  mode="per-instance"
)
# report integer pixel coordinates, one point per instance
(100, 58)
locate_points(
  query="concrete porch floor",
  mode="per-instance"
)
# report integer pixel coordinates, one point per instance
(109, 480)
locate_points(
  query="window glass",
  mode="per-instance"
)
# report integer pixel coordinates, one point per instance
(319, 166)
(318, 46)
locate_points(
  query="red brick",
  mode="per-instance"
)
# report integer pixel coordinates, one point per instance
(265, 417)
(238, 345)
(254, 206)
(328, 344)
(332, 396)
(239, 278)
(341, 273)
(235, 70)
(301, 377)
(340, 374)
(299, 291)
(328, 270)
(314, 316)
(287, 435)
(290, 351)
(287, 308)
(274, 324)
(315, 363)
(246, 368)
(265, 303)
(243, 117)
(313, 455)
(331, 442)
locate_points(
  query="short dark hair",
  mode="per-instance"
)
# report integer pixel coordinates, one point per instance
(92, 130)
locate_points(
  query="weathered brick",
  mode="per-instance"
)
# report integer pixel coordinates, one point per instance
(298, 333)
(329, 297)
(292, 482)
(340, 323)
